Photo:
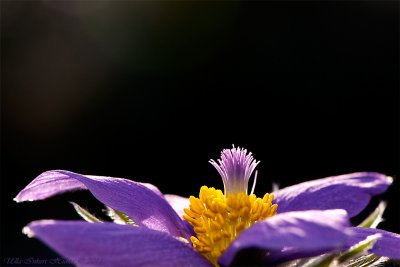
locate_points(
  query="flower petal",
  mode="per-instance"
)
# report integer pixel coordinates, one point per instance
(178, 203)
(108, 244)
(143, 205)
(388, 245)
(50, 183)
(292, 235)
(350, 192)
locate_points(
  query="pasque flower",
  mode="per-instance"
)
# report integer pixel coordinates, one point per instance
(215, 228)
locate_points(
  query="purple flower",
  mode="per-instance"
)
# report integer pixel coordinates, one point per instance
(304, 220)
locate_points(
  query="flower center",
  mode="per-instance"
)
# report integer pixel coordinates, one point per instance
(218, 220)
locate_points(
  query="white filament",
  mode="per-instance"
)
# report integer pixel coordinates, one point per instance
(254, 183)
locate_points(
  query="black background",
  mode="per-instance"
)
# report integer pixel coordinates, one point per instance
(152, 91)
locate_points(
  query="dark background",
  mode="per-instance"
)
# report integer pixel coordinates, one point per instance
(152, 91)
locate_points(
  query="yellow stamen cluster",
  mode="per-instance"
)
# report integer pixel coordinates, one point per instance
(218, 219)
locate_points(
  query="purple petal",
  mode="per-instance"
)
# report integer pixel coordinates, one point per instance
(388, 245)
(109, 244)
(142, 205)
(292, 235)
(178, 203)
(351, 192)
(49, 184)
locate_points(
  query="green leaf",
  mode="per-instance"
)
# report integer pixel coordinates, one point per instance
(375, 217)
(319, 261)
(385, 261)
(324, 260)
(85, 214)
(359, 248)
(363, 261)
(119, 217)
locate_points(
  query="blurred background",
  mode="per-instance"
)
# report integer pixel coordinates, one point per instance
(151, 91)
